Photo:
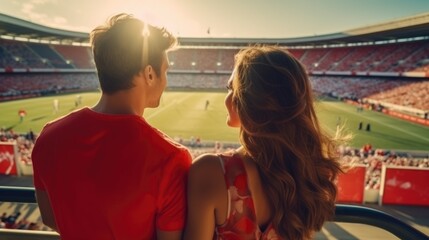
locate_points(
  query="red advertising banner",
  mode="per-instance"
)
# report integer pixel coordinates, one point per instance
(407, 117)
(405, 186)
(8, 164)
(351, 185)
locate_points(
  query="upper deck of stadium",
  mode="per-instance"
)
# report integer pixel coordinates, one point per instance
(411, 28)
(395, 50)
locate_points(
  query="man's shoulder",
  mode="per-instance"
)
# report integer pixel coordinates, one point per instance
(65, 118)
(178, 153)
(57, 124)
(166, 141)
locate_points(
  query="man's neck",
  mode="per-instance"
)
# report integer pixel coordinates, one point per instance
(118, 103)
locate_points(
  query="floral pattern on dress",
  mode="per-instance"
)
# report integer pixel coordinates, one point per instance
(241, 222)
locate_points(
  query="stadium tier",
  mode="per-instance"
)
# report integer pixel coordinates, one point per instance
(385, 70)
(393, 59)
(25, 85)
(393, 74)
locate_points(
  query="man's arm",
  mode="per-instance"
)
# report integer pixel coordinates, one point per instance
(171, 217)
(46, 209)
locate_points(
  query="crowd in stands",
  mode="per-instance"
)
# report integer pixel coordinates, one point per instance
(31, 85)
(204, 67)
(404, 92)
(18, 55)
(48, 55)
(15, 221)
(411, 94)
(24, 142)
(200, 59)
(197, 80)
(373, 159)
(395, 57)
(392, 57)
(30, 55)
(79, 57)
(194, 62)
(365, 155)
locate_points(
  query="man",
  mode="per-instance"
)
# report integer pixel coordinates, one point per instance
(104, 172)
(22, 113)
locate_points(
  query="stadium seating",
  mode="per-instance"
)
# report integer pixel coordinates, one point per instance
(197, 80)
(79, 56)
(333, 58)
(208, 67)
(354, 58)
(19, 55)
(47, 54)
(404, 92)
(313, 58)
(14, 86)
(202, 60)
(416, 61)
(394, 57)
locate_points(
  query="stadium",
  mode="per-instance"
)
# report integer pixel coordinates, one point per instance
(373, 80)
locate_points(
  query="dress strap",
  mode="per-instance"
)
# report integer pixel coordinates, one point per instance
(222, 164)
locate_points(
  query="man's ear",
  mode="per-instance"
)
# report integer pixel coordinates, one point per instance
(149, 75)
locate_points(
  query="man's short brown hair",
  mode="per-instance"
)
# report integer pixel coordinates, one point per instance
(118, 49)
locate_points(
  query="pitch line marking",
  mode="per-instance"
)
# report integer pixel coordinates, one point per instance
(385, 124)
(174, 102)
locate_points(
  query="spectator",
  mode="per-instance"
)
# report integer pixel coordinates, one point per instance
(271, 101)
(119, 177)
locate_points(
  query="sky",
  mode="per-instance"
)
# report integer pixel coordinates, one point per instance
(220, 18)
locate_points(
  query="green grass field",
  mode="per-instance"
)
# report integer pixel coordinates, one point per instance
(182, 114)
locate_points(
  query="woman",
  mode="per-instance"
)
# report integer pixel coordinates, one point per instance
(280, 183)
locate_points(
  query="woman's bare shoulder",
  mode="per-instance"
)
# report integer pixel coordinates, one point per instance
(206, 174)
(206, 164)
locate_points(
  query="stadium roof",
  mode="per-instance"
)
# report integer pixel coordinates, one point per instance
(407, 28)
(15, 27)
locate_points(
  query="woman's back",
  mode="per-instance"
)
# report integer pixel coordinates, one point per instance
(289, 163)
(248, 210)
(241, 207)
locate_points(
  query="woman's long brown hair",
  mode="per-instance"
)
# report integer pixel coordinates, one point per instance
(280, 132)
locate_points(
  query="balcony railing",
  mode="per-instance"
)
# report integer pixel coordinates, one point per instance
(343, 213)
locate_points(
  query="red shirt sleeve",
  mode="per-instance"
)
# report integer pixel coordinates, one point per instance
(36, 156)
(172, 202)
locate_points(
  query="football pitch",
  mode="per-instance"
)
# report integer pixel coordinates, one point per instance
(183, 114)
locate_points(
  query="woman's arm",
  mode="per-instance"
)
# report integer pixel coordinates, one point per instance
(205, 187)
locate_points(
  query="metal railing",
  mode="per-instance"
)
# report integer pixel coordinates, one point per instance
(369, 216)
(343, 213)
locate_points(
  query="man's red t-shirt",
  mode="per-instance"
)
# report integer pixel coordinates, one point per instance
(111, 176)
